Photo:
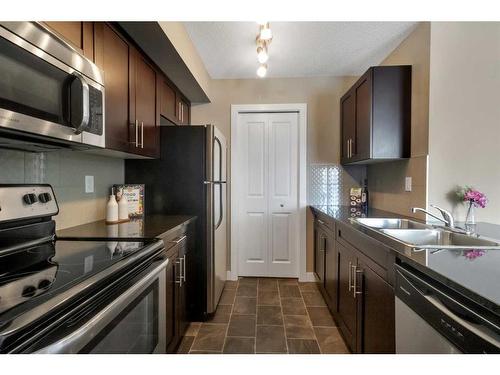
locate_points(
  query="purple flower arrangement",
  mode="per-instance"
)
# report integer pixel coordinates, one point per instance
(474, 197)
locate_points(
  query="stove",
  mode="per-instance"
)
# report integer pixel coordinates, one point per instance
(56, 294)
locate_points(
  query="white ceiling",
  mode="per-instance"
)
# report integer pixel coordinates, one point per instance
(298, 49)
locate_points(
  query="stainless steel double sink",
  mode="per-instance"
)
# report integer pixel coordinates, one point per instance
(414, 234)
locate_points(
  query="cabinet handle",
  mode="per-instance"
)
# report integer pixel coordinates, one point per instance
(136, 133)
(355, 281)
(142, 134)
(321, 222)
(178, 240)
(350, 276)
(179, 263)
(184, 268)
(182, 113)
(179, 111)
(349, 148)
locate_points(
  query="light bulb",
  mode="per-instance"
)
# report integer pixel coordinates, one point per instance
(262, 70)
(262, 55)
(265, 33)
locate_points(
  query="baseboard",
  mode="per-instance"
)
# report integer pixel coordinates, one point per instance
(307, 277)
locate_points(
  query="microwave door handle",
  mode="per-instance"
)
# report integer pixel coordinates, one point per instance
(82, 124)
(77, 339)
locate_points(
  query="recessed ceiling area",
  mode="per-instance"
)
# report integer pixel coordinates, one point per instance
(298, 49)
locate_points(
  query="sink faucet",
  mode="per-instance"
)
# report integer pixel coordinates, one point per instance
(447, 218)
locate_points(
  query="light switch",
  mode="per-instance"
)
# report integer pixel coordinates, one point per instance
(407, 183)
(89, 184)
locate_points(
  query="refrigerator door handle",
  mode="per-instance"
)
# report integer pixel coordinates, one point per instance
(221, 208)
(214, 182)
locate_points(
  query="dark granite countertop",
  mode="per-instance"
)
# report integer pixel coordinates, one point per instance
(477, 278)
(150, 226)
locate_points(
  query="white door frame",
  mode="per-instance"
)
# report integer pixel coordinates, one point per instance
(301, 110)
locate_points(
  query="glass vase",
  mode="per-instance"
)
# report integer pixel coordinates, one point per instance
(470, 219)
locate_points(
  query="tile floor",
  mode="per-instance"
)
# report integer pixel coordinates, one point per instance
(264, 315)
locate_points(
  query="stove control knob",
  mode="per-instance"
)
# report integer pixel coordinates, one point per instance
(29, 291)
(44, 197)
(30, 198)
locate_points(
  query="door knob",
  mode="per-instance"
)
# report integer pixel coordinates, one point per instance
(282, 205)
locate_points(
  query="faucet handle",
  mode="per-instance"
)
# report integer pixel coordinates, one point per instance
(447, 215)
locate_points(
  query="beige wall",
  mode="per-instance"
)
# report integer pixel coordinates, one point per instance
(322, 96)
(464, 114)
(177, 34)
(387, 180)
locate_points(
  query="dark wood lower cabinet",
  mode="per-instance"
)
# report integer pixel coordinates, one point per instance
(319, 253)
(357, 289)
(377, 312)
(347, 303)
(331, 270)
(176, 314)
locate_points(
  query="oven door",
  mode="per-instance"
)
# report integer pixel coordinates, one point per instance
(42, 96)
(133, 322)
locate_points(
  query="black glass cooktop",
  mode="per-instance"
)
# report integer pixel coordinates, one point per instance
(33, 275)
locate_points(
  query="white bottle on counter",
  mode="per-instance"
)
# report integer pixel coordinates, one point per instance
(123, 207)
(112, 208)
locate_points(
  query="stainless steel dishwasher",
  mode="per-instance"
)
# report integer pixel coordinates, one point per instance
(431, 318)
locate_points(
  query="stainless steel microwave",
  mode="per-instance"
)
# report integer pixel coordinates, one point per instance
(49, 92)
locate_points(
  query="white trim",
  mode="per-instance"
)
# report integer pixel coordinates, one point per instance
(309, 277)
(231, 276)
(301, 109)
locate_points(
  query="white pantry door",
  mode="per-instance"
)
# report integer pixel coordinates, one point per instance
(267, 157)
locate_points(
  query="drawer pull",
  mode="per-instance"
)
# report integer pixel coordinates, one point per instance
(178, 240)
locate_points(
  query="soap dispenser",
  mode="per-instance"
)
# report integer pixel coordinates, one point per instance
(122, 207)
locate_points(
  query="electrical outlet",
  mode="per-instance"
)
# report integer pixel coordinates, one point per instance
(89, 184)
(407, 183)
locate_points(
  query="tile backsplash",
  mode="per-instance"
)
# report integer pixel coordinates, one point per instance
(329, 184)
(65, 170)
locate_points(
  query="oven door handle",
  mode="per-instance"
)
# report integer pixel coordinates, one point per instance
(77, 340)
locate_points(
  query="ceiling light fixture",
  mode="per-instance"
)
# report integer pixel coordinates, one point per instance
(262, 70)
(262, 54)
(263, 40)
(265, 32)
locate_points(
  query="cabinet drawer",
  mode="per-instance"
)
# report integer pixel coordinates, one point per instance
(371, 249)
(324, 221)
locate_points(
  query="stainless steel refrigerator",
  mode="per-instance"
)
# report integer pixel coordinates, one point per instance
(189, 178)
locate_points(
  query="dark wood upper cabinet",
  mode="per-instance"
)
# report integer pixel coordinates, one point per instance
(348, 121)
(132, 118)
(376, 310)
(112, 56)
(144, 130)
(168, 103)
(376, 116)
(77, 33)
(183, 111)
